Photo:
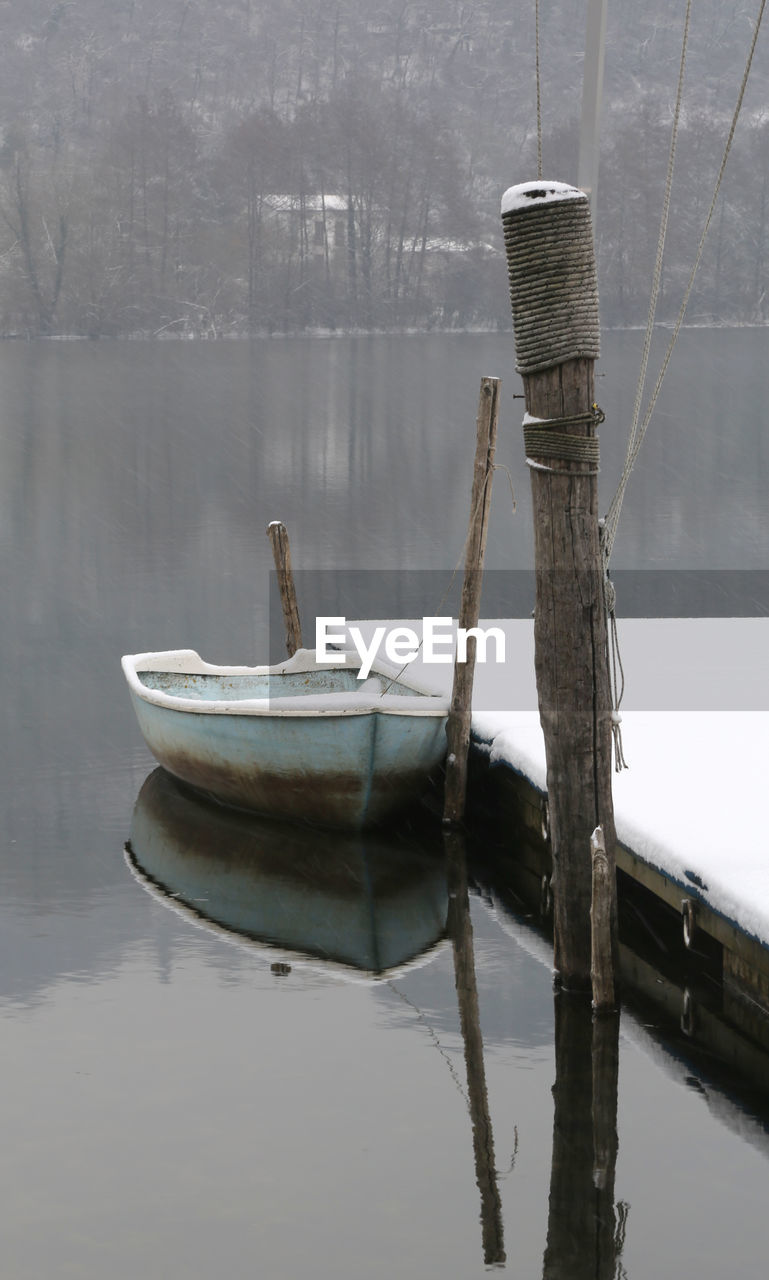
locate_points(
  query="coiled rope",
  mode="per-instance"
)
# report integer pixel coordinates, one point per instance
(541, 438)
(555, 310)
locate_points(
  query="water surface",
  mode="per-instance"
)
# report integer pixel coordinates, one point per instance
(172, 1102)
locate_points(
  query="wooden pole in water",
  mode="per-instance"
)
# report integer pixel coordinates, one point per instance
(278, 535)
(551, 264)
(601, 966)
(460, 713)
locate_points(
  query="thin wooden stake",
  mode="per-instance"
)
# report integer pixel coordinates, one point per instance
(601, 957)
(278, 535)
(460, 930)
(460, 714)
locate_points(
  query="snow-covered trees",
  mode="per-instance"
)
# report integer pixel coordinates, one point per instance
(248, 165)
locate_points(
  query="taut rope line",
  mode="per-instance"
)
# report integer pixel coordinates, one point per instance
(637, 434)
(609, 525)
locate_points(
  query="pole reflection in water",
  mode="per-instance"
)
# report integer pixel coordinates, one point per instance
(366, 902)
(585, 1233)
(461, 933)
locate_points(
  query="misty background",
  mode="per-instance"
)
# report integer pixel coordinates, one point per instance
(213, 168)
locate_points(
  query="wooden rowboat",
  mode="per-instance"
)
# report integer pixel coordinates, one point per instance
(300, 740)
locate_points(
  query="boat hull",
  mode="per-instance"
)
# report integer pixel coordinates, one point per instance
(336, 765)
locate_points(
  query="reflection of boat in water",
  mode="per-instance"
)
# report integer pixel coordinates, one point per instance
(301, 740)
(369, 902)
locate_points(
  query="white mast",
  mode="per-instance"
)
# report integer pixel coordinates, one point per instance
(592, 93)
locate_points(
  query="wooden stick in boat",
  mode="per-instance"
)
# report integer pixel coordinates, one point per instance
(458, 728)
(278, 535)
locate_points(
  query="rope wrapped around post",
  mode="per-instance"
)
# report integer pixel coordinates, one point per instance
(540, 437)
(555, 309)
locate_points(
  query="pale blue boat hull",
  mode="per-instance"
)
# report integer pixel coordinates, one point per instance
(340, 763)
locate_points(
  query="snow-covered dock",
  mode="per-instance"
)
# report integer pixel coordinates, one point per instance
(691, 808)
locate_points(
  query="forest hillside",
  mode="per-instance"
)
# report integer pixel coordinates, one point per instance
(230, 166)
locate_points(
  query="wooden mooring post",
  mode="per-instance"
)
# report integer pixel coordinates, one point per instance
(281, 551)
(551, 264)
(460, 713)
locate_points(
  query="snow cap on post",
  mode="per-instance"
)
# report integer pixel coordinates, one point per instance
(551, 267)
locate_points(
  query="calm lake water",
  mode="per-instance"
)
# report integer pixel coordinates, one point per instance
(172, 1103)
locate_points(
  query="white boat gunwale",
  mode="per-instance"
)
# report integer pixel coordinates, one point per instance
(371, 697)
